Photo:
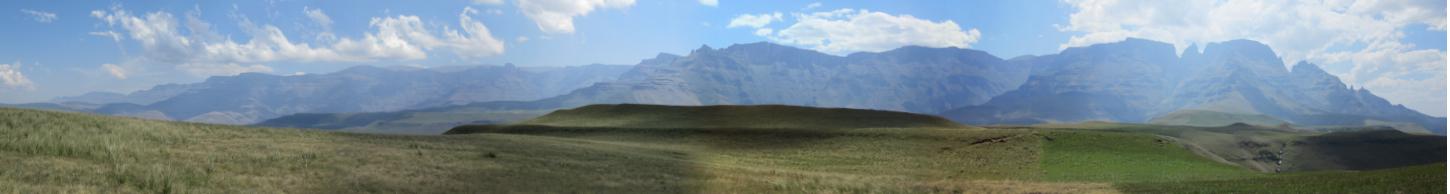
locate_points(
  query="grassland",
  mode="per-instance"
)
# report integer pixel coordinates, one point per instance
(1427, 178)
(61, 152)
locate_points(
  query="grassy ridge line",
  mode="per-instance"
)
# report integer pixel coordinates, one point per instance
(754, 116)
(403, 122)
(1207, 118)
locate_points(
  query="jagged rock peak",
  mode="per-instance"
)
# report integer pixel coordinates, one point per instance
(704, 48)
(1307, 67)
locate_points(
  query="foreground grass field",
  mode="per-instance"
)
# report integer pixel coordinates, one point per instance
(60, 152)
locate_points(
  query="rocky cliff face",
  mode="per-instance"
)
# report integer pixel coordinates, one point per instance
(913, 79)
(1136, 80)
(1121, 81)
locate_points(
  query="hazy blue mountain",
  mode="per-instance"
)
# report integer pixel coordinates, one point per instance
(1121, 81)
(912, 78)
(1136, 80)
(155, 94)
(252, 97)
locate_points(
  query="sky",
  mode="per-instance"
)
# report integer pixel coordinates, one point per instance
(48, 49)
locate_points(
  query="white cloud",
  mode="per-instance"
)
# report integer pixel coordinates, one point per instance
(763, 32)
(11, 78)
(850, 30)
(115, 71)
(298, 73)
(522, 39)
(557, 16)
(495, 11)
(318, 17)
(397, 38)
(229, 69)
(710, 2)
(39, 15)
(754, 21)
(490, 2)
(321, 20)
(1296, 30)
(812, 6)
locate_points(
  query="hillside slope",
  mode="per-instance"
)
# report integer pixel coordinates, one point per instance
(65, 152)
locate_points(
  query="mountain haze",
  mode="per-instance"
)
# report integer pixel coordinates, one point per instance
(252, 97)
(1135, 80)
(912, 79)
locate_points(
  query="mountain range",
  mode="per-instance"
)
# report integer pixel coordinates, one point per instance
(1134, 81)
(253, 97)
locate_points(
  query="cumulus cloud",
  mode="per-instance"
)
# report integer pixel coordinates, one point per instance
(522, 39)
(12, 79)
(754, 21)
(710, 2)
(115, 71)
(398, 38)
(229, 69)
(40, 16)
(490, 2)
(557, 16)
(1296, 30)
(851, 30)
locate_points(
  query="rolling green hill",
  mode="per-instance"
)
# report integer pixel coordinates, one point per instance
(1205, 118)
(1261, 148)
(858, 151)
(755, 116)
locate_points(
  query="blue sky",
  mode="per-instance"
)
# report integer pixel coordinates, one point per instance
(48, 49)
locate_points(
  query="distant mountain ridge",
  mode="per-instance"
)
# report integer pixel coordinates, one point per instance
(913, 79)
(1135, 80)
(252, 97)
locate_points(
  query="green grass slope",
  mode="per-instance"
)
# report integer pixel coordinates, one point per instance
(1364, 150)
(62, 152)
(1262, 148)
(1427, 178)
(756, 116)
(1206, 118)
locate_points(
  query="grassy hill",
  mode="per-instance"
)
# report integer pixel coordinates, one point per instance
(1206, 118)
(62, 152)
(756, 116)
(1261, 148)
